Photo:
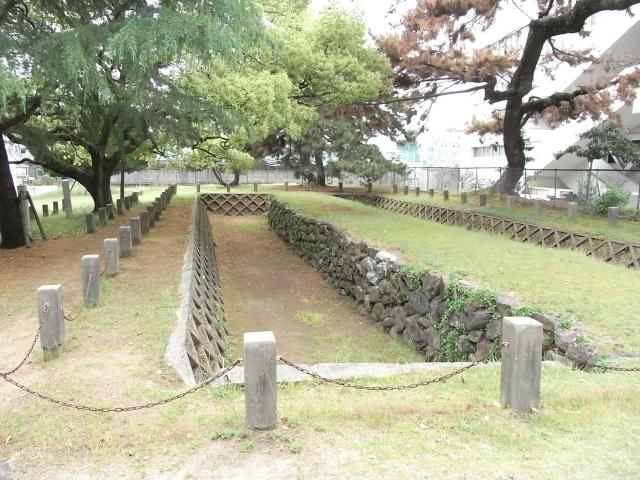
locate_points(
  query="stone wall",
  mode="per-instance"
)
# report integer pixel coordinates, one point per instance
(445, 318)
(196, 348)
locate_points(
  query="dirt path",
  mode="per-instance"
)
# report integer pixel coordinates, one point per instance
(266, 286)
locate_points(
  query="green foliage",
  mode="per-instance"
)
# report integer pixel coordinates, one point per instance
(615, 196)
(413, 272)
(603, 140)
(230, 433)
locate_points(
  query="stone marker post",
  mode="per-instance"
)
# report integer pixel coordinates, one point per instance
(538, 206)
(255, 187)
(45, 210)
(432, 192)
(102, 215)
(136, 230)
(613, 214)
(463, 197)
(483, 199)
(127, 203)
(405, 190)
(445, 195)
(124, 235)
(51, 318)
(286, 186)
(395, 188)
(90, 266)
(91, 222)
(510, 201)
(111, 257)
(197, 187)
(260, 380)
(109, 208)
(55, 208)
(521, 363)
(369, 187)
(228, 188)
(119, 207)
(417, 191)
(134, 197)
(340, 186)
(24, 209)
(144, 221)
(66, 193)
(156, 210)
(152, 215)
(572, 210)
(163, 201)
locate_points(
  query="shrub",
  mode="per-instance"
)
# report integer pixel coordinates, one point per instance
(615, 196)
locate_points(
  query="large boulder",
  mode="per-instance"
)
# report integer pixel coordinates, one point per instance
(418, 304)
(507, 303)
(432, 285)
(479, 319)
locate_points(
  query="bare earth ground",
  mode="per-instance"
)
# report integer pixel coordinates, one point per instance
(266, 286)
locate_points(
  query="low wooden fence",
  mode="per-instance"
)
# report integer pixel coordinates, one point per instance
(234, 204)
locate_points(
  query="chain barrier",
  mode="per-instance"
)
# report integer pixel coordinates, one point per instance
(344, 383)
(69, 318)
(582, 364)
(87, 408)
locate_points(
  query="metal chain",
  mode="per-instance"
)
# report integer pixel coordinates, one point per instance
(344, 383)
(28, 354)
(69, 318)
(87, 408)
(104, 270)
(582, 364)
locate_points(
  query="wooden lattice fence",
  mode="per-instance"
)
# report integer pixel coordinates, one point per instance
(234, 204)
(605, 249)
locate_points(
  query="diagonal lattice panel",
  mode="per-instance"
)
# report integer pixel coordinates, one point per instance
(607, 250)
(234, 204)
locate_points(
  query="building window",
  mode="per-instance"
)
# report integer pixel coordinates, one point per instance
(488, 151)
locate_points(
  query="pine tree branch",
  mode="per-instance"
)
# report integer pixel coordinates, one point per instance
(32, 106)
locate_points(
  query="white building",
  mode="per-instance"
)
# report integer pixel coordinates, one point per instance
(24, 172)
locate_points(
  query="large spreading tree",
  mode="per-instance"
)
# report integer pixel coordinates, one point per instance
(435, 55)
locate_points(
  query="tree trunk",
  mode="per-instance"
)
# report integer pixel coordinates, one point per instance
(236, 178)
(99, 184)
(513, 147)
(10, 217)
(320, 173)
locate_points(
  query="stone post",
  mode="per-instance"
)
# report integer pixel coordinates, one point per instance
(24, 210)
(119, 207)
(124, 235)
(510, 201)
(405, 190)
(260, 380)
(417, 191)
(51, 318)
(163, 201)
(463, 197)
(286, 186)
(538, 206)
(228, 188)
(134, 198)
(109, 211)
(255, 187)
(102, 215)
(144, 221)
(197, 187)
(66, 193)
(136, 230)
(445, 195)
(432, 192)
(156, 210)
(45, 210)
(55, 208)
(483, 199)
(521, 363)
(90, 266)
(111, 257)
(127, 203)
(572, 210)
(395, 188)
(91, 222)
(613, 214)
(152, 215)
(340, 186)
(369, 187)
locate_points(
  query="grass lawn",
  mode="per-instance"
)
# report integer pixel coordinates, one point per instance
(603, 298)
(594, 225)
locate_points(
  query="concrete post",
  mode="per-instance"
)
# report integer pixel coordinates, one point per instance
(111, 257)
(91, 222)
(538, 206)
(432, 192)
(463, 197)
(156, 210)
(152, 215)
(286, 186)
(198, 187)
(127, 203)
(445, 195)
(90, 266)
(510, 201)
(572, 210)
(613, 215)
(340, 186)
(119, 207)
(369, 187)
(163, 201)
(134, 198)
(260, 380)
(228, 188)
(395, 188)
(24, 209)
(102, 215)
(483, 199)
(255, 187)
(521, 363)
(45, 210)
(66, 193)
(124, 235)
(136, 230)
(51, 318)
(417, 191)
(144, 221)
(55, 208)
(109, 208)
(405, 190)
